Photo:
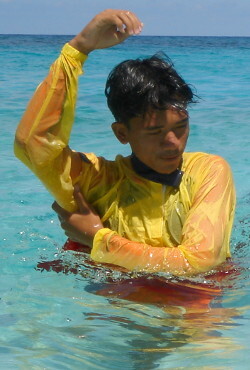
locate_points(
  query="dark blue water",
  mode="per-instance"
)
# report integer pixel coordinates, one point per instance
(56, 320)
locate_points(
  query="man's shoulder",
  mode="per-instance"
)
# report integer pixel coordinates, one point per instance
(199, 165)
(191, 159)
(100, 162)
(199, 155)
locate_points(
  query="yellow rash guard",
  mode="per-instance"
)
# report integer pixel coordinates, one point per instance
(148, 226)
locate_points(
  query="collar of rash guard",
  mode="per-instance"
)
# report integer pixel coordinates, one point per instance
(172, 179)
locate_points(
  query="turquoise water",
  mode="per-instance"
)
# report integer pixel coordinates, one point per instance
(59, 319)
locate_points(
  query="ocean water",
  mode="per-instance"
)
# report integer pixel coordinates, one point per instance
(68, 316)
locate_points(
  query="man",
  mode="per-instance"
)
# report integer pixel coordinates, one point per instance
(160, 209)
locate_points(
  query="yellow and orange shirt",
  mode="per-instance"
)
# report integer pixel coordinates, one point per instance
(148, 226)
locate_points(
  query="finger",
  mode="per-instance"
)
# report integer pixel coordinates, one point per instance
(119, 25)
(83, 206)
(136, 24)
(60, 218)
(127, 24)
(122, 23)
(83, 240)
(61, 212)
(71, 236)
(65, 225)
(131, 22)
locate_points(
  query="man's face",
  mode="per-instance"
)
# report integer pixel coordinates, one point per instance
(159, 138)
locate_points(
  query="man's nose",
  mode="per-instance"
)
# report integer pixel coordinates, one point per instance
(169, 139)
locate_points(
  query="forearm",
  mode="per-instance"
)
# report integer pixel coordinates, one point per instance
(109, 247)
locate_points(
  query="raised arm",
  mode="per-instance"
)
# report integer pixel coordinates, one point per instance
(42, 136)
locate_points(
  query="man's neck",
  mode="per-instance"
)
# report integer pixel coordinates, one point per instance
(172, 179)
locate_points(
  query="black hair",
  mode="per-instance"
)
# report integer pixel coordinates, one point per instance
(137, 85)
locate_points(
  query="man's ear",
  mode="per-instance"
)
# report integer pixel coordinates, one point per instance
(121, 132)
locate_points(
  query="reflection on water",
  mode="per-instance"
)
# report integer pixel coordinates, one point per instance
(155, 337)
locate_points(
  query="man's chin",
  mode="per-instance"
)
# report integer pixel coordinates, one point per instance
(167, 172)
(164, 170)
(169, 166)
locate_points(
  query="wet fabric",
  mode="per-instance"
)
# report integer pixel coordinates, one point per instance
(148, 226)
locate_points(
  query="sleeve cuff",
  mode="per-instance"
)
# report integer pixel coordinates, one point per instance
(73, 53)
(99, 248)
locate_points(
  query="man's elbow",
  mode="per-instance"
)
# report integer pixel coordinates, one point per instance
(24, 150)
(203, 264)
(201, 261)
(19, 145)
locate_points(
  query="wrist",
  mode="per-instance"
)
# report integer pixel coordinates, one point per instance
(102, 236)
(79, 43)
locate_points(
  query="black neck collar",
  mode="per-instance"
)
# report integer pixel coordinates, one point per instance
(171, 179)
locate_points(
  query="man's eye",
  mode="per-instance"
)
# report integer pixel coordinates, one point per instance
(154, 132)
(183, 125)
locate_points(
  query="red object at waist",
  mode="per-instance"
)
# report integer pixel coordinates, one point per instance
(149, 289)
(74, 246)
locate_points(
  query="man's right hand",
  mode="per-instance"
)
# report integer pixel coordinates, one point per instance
(107, 29)
(80, 226)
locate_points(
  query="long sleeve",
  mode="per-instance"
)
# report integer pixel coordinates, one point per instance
(43, 133)
(205, 236)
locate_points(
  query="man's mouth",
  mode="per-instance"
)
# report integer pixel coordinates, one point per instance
(170, 157)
